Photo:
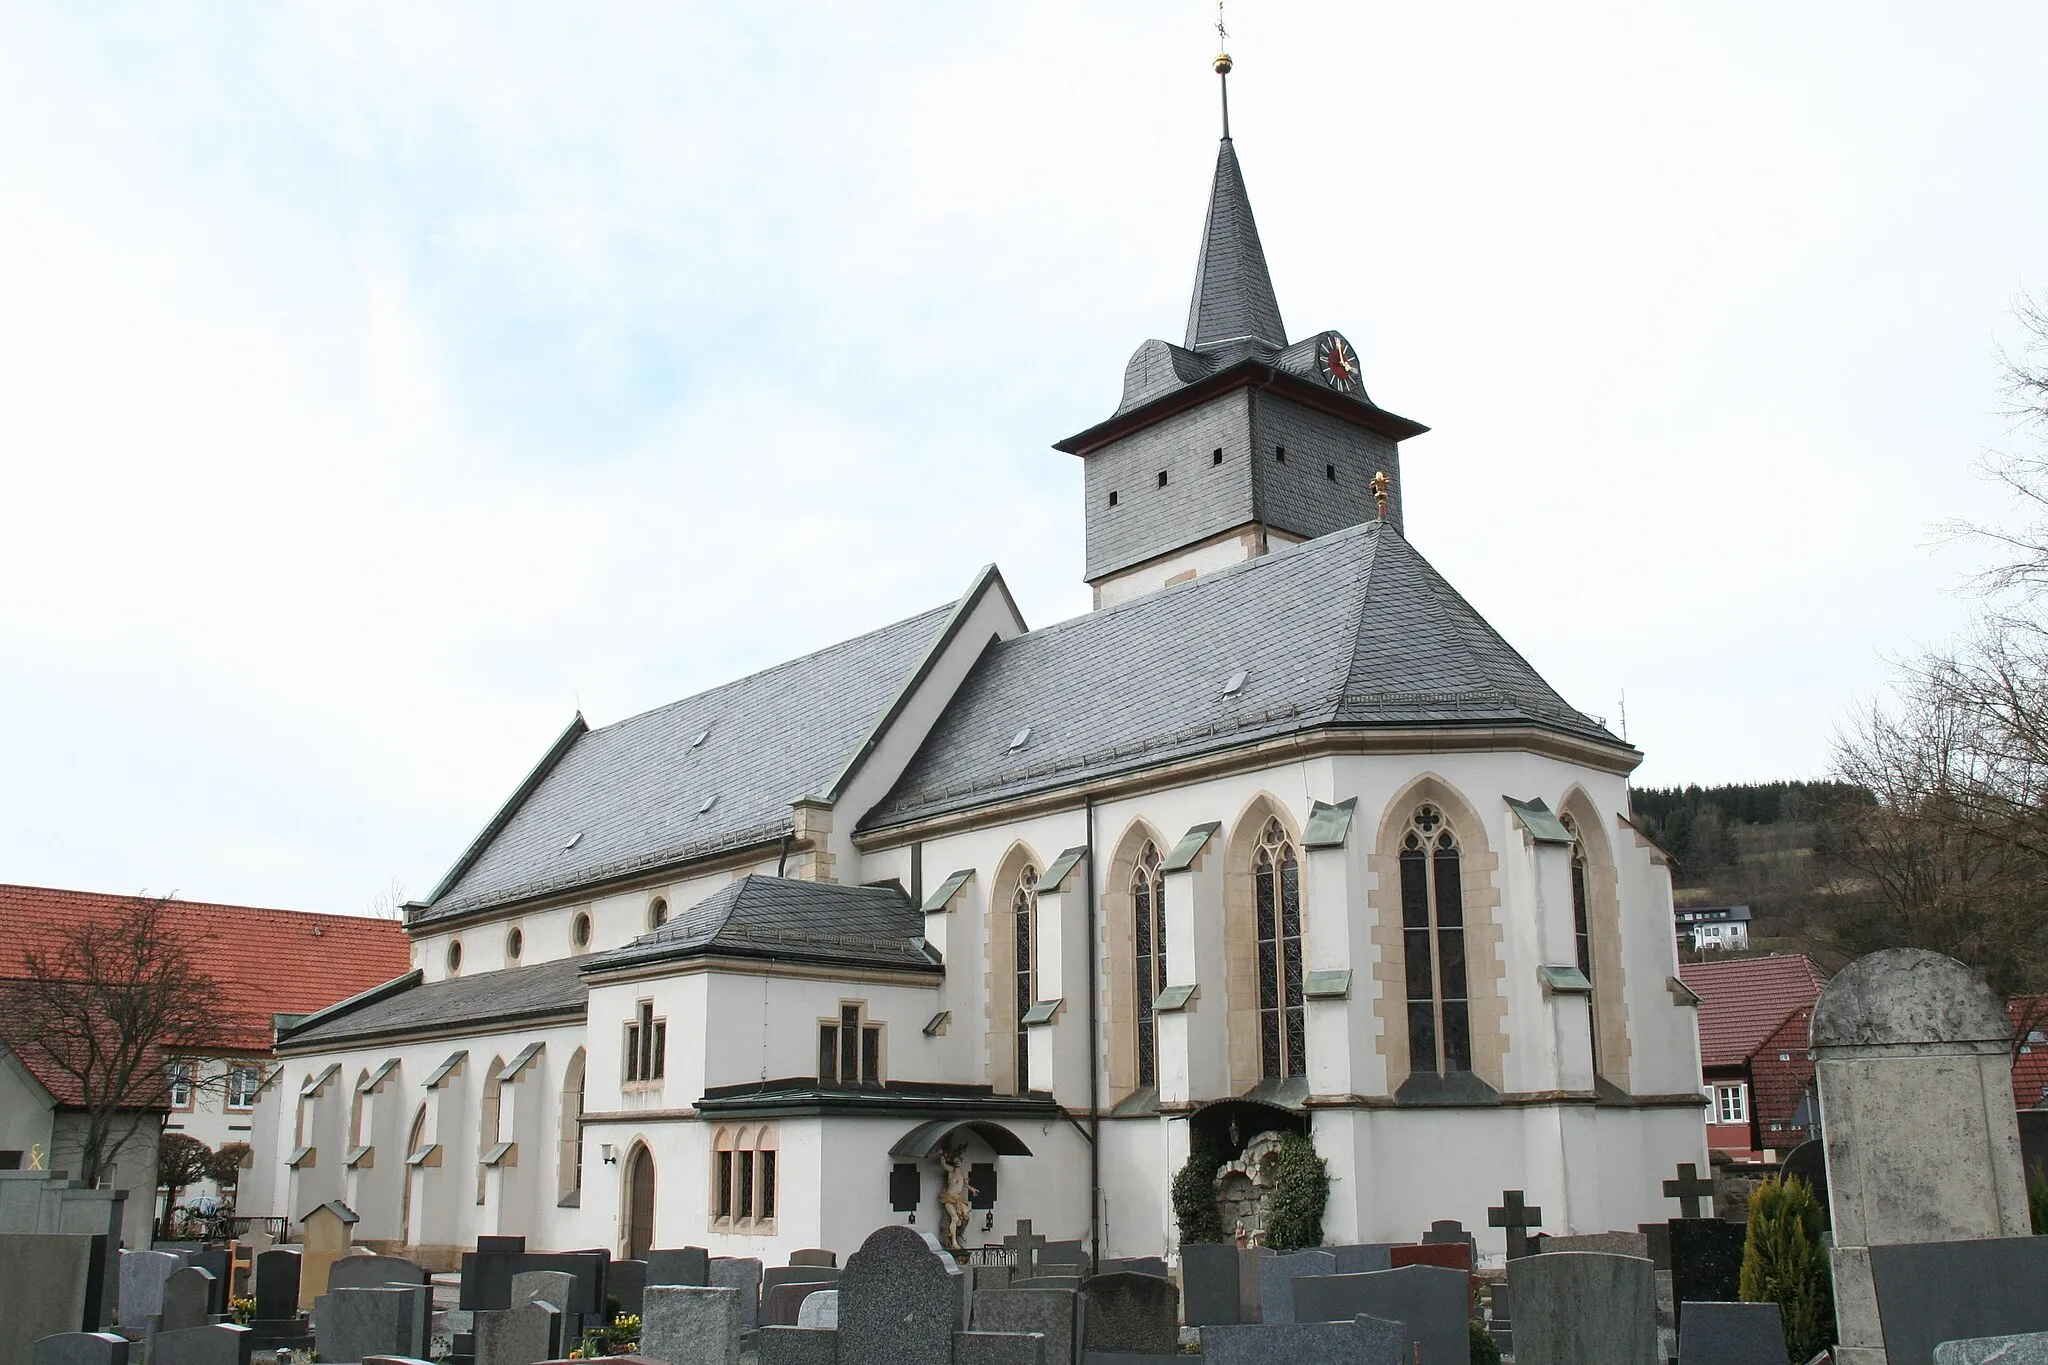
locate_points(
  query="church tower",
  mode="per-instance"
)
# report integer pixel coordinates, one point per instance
(1234, 442)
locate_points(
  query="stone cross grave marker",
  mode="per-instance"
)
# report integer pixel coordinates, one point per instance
(1688, 1189)
(1584, 1308)
(899, 1302)
(1026, 1244)
(1517, 1216)
(690, 1325)
(82, 1348)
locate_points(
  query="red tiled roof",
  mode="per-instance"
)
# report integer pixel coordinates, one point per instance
(265, 961)
(1744, 999)
(1780, 1076)
(2030, 1062)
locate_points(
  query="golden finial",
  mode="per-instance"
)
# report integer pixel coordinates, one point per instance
(1380, 484)
(1223, 63)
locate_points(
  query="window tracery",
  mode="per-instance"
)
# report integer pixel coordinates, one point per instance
(1023, 908)
(1276, 886)
(1148, 911)
(1433, 941)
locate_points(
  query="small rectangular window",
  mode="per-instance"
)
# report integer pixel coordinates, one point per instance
(1330, 472)
(871, 1054)
(1280, 454)
(660, 1067)
(1216, 455)
(244, 1080)
(1732, 1103)
(1162, 478)
(849, 1044)
(828, 1053)
(1112, 497)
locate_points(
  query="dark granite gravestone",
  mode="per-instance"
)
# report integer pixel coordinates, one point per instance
(1131, 1265)
(781, 1305)
(743, 1275)
(1706, 1262)
(1500, 1320)
(215, 1344)
(1360, 1258)
(349, 1324)
(81, 1348)
(797, 1274)
(998, 1348)
(1127, 1311)
(1584, 1308)
(1363, 1341)
(525, 1334)
(898, 1301)
(679, 1265)
(814, 1256)
(1209, 1284)
(1447, 1230)
(1658, 1236)
(1809, 1162)
(501, 1244)
(1931, 1292)
(1063, 1253)
(1453, 1255)
(1070, 1283)
(1277, 1274)
(368, 1272)
(1053, 1314)
(784, 1345)
(1732, 1334)
(626, 1281)
(690, 1323)
(1433, 1302)
(188, 1299)
(277, 1286)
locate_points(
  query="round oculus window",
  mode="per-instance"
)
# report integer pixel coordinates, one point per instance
(657, 913)
(515, 944)
(579, 932)
(455, 956)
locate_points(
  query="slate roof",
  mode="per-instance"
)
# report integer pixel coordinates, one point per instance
(1745, 999)
(788, 920)
(1233, 299)
(1352, 630)
(630, 796)
(456, 1005)
(263, 961)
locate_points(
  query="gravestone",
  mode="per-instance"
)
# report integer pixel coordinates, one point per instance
(1068, 1282)
(898, 1302)
(1732, 1334)
(142, 1285)
(215, 1344)
(1584, 1308)
(587, 1268)
(500, 1243)
(1500, 1315)
(1127, 1311)
(1433, 1302)
(1688, 1189)
(1276, 1281)
(522, 1335)
(679, 1265)
(1933, 1292)
(349, 1324)
(46, 1284)
(1517, 1216)
(998, 1348)
(1025, 1245)
(626, 1281)
(1447, 1230)
(1449, 1255)
(328, 1231)
(1053, 1314)
(82, 1348)
(797, 1274)
(741, 1274)
(1132, 1265)
(1809, 1162)
(814, 1256)
(690, 1325)
(368, 1272)
(188, 1298)
(1608, 1243)
(277, 1286)
(820, 1310)
(776, 1344)
(1209, 1284)
(1249, 1259)
(1363, 1341)
(2028, 1349)
(1706, 1262)
(220, 1263)
(1064, 1253)
(1360, 1258)
(1913, 1062)
(781, 1304)
(1658, 1236)
(548, 1286)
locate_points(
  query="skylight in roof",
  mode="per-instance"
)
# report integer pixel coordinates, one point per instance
(574, 840)
(709, 802)
(1023, 738)
(1234, 685)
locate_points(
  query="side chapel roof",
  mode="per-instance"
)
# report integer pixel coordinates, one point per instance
(791, 921)
(1354, 629)
(487, 1000)
(711, 772)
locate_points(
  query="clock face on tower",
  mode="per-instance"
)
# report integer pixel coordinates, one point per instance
(1338, 363)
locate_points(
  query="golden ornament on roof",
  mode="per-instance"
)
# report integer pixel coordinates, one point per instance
(1223, 63)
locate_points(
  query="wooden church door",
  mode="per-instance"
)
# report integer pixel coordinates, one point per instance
(639, 1203)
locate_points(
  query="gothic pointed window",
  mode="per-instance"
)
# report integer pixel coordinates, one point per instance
(1148, 912)
(1276, 889)
(1433, 939)
(1582, 933)
(1022, 908)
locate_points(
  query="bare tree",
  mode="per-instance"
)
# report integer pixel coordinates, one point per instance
(100, 1004)
(389, 902)
(2023, 474)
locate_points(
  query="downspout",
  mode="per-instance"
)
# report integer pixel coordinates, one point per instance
(1094, 1055)
(782, 860)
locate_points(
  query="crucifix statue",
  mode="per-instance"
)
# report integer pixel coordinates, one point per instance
(953, 1207)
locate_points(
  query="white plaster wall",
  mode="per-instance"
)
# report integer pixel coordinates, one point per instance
(1200, 559)
(209, 1119)
(25, 1111)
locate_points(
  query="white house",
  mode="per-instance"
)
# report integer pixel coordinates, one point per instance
(1281, 835)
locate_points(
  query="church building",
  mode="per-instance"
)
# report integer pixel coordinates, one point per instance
(1281, 837)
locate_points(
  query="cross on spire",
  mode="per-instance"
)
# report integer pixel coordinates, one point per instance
(1689, 1188)
(1517, 1217)
(1222, 65)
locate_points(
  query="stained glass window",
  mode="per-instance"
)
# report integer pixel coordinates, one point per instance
(1276, 894)
(1433, 946)
(1148, 911)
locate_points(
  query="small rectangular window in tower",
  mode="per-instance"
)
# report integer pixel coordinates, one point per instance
(1330, 472)
(1280, 454)
(1112, 497)
(1162, 478)
(1216, 455)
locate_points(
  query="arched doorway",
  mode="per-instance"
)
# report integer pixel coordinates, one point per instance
(639, 1202)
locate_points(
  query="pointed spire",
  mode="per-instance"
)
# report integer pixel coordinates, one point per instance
(1233, 300)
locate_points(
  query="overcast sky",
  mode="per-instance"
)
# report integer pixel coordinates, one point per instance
(379, 384)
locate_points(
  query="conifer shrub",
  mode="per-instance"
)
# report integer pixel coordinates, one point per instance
(1301, 1187)
(1194, 1196)
(1484, 1352)
(2037, 1197)
(1784, 1261)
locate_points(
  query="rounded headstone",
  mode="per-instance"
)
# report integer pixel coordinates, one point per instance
(1908, 996)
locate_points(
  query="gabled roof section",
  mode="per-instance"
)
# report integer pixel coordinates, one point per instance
(1745, 999)
(456, 1006)
(1353, 630)
(264, 961)
(1233, 302)
(787, 920)
(707, 774)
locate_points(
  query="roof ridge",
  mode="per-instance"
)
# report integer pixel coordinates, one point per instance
(172, 898)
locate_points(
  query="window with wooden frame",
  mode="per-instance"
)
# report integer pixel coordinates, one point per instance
(743, 1179)
(1276, 893)
(244, 1080)
(182, 1078)
(1433, 939)
(1148, 914)
(646, 1046)
(849, 1047)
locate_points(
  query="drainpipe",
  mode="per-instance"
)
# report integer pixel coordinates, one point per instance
(1094, 1048)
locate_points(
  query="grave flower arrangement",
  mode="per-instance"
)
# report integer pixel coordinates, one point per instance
(619, 1337)
(242, 1312)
